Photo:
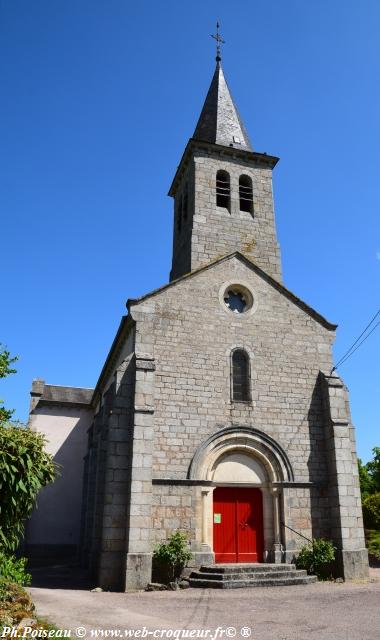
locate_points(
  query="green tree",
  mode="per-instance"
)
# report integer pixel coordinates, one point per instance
(369, 474)
(366, 482)
(371, 511)
(373, 467)
(5, 369)
(25, 467)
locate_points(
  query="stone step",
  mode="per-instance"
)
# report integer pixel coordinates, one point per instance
(244, 583)
(256, 575)
(258, 567)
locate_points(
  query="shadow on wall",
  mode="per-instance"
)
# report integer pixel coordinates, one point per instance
(67, 576)
(318, 466)
(52, 533)
(106, 508)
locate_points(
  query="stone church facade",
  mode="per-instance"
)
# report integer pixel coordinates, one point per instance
(215, 412)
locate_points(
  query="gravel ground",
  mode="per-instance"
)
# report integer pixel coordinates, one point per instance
(319, 611)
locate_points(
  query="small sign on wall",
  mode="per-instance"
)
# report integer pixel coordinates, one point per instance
(217, 518)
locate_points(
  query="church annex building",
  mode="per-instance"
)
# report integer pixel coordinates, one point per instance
(215, 412)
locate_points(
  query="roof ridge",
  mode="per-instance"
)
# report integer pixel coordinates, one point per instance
(67, 386)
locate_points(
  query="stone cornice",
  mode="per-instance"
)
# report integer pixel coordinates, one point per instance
(257, 159)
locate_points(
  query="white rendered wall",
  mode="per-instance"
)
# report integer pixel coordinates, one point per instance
(239, 467)
(56, 521)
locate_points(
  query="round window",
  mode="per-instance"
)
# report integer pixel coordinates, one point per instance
(238, 299)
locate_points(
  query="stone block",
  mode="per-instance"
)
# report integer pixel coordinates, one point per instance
(352, 565)
(138, 570)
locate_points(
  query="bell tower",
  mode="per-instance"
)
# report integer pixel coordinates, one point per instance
(222, 190)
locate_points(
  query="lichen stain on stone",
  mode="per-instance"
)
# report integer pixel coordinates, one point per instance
(248, 246)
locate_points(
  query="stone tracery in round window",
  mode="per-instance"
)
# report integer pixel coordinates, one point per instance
(238, 299)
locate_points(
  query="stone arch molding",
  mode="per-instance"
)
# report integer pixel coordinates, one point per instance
(247, 440)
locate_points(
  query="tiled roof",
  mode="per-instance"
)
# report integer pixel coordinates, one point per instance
(71, 395)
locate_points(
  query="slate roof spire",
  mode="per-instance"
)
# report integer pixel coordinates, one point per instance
(220, 122)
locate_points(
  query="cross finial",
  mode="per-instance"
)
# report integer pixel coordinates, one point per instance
(219, 42)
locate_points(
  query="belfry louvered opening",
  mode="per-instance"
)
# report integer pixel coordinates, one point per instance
(223, 189)
(240, 376)
(245, 194)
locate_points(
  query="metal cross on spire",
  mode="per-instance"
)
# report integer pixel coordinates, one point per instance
(219, 42)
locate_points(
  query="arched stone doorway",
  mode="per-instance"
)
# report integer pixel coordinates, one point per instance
(251, 467)
(240, 499)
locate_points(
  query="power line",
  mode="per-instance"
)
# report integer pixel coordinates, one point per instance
(351, 350)
(357, 340)
(359, 345)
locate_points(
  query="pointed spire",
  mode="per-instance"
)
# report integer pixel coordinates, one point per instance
(220, 122)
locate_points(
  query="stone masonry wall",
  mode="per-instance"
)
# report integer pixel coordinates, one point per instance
(182, 231)
(191, 334)
(109, 470)
(344, 488)
(214, 231)
(174, 507)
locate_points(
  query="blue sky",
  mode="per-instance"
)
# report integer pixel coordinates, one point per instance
(98, 100)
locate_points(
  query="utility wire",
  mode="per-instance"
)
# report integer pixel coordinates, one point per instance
(351, 350)
(357, 340)
(359, 345)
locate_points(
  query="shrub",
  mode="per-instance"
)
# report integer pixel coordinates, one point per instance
(316, 556)
(15, 604)
(373, 543)
(13, 569)
(371, 511)
(25, 467)
(172, 556)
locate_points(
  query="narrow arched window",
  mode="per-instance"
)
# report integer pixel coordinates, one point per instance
(223, 190)
(245, 194)
(240, 375)
(179, 215)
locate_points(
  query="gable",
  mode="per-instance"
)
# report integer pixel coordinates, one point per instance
(227, 263)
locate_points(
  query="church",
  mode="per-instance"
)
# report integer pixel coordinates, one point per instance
(216, 412)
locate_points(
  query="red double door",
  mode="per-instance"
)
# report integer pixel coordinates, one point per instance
(238, 525)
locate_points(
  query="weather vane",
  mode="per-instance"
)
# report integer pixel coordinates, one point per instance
(219, 42)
